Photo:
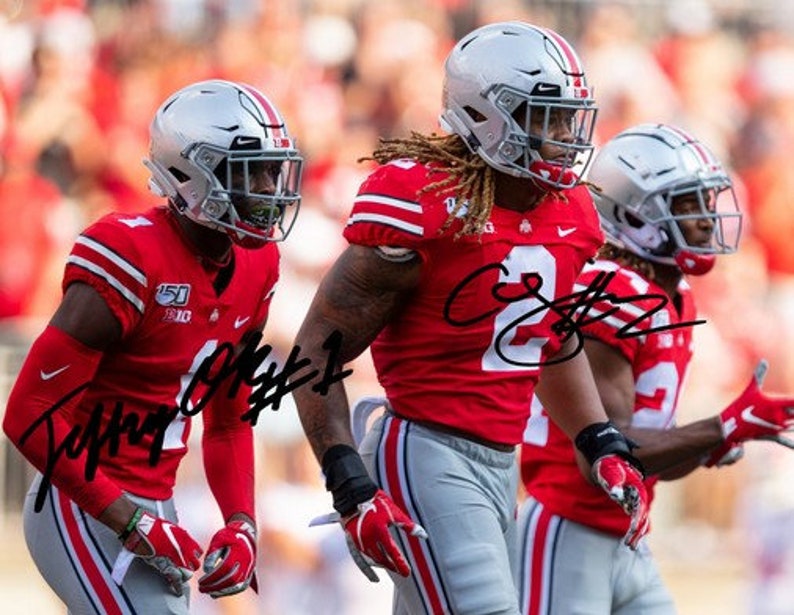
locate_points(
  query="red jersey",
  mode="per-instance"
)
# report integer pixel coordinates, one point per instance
(465, 350)
(659, 363)
(171, 319)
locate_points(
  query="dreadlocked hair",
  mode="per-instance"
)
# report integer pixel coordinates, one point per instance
(467, 175)
(627, 259)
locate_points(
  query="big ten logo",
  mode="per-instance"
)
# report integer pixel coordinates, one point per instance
(177, 315)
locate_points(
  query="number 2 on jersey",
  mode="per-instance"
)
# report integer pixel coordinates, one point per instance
(505, 352)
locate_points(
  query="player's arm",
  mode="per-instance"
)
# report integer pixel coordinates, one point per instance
(84, 315)
(228, 454)
(356, 299)
(81, 329)
(359, 295)
(73, 342)
(670, 453)
(227, 446)
(569, 393)
(570, 396)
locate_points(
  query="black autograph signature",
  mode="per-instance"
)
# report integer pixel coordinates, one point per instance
(230, 369)
(573, 311)
(222, 367)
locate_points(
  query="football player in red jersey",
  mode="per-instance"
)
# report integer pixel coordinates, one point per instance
(101, 405)
(668, 208)
(459, 246)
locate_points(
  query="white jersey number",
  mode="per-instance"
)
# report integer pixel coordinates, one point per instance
(174, 433)
(662, 379)
(503, 355)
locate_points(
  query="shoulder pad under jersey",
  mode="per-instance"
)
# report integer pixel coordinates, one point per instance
(391, 209)
(108, 256)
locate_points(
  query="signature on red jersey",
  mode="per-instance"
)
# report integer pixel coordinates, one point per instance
(269, 385)
(570, 313)
(104, 430)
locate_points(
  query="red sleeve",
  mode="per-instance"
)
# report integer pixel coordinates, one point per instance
(48, 388)
(109, 261)
(391, 210)
(228, 452)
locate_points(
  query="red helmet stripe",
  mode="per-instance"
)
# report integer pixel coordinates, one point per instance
(705, 156)
(574, 67)
(274, 121)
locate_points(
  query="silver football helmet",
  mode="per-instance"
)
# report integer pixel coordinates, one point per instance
(636, 178)
(505, 87)
(220, 152)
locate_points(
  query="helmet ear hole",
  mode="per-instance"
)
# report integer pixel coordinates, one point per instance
(475, 115)
(521, 113)
(624, 216)
(633, 220)
(180, 176)
(221, 172)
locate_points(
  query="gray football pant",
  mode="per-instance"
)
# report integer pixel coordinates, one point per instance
(464, 495)
(566, 568)
(75, 554)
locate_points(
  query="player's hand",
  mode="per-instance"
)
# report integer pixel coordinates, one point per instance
(725, 454)
(623, 483)
(755, 416)
(230, 564)
(368, 529)
(164, 546)
(364, 563)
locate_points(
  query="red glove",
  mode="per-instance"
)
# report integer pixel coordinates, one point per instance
(724, 455)
(623, 483)
(754, 416)
(164, 546)
(230, 565)
(368, 528)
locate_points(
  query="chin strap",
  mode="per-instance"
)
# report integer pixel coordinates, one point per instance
(694, 264)
(549, 176)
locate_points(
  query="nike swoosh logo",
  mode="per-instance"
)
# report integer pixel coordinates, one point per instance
(564, 232)
(749, 417)
(239, 322)
(246, 540)
(174, 542)
(47, 375)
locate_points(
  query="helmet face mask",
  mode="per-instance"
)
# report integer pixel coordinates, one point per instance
(532, 124)
(705, 203)
(507, 87)
(664, 196)
(255, 191)
(221, 154)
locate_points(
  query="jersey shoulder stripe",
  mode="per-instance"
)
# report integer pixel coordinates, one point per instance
(113, 257)
(111, 280)
(381, 209)
(624, 303)
(107, 257)
(392, 209)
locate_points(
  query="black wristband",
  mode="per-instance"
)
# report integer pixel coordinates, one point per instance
(601, 439)
(347, 478)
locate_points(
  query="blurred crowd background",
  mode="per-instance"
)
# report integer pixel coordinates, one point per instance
(80, 80)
